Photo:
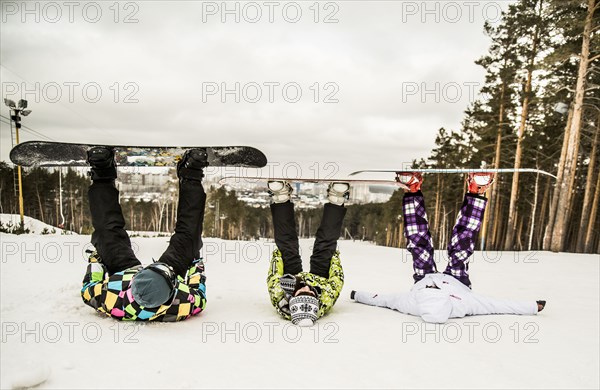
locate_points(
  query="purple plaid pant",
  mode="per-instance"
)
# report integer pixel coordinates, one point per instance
(461, 245)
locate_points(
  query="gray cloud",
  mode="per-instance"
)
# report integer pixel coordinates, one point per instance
(372, 54)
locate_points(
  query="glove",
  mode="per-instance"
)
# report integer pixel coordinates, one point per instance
(288, 284)
(93, 257)
(199, 263)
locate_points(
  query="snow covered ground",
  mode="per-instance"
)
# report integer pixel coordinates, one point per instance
(35, 226)
(50, 336)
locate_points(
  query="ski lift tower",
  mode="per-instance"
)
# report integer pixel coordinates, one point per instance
(15, 116)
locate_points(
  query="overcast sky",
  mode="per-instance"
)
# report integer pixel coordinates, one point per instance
(362, 77)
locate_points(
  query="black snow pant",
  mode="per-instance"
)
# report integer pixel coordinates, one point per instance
(286, 238)
(112, 241)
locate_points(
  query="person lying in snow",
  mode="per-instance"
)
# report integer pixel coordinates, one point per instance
(436, 297)
(303, 297)
(116, 284)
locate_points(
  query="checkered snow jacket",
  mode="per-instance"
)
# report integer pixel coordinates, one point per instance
(111, 294)
(328, 288)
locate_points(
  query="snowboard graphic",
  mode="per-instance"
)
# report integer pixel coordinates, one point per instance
(54, 154)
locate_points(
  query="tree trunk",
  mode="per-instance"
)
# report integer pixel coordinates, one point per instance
(533, 212)
(559, 179)
(589, 237)
(587, 198)
(498, 221)
(72, 206)
(512, 208)
(566, 190)
(539, 230)
(520, 234)
(443, 227)
(39, 198)
(494, 204)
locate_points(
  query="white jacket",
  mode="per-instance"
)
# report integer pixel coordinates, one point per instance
(452, 300)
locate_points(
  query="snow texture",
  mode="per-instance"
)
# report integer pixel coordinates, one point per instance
(241, 342)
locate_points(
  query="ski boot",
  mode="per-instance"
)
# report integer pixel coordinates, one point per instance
(192, 164)
(479, 182)
(102, 161)
(412, 180)
(280, 191)
(338, 193)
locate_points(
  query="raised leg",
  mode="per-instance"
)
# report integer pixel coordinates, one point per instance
(185, 244)
(109, 237)
(464, 236)
(286, 237)
(418, 236)
(326, 239)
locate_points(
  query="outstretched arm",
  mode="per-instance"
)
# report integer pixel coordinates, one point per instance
(402, 302)
(481, 304)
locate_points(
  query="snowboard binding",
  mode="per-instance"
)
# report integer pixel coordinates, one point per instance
(102, 161)
(192, 164)
(280, 191)
(412, 180)
(479, 182)
(338, 193)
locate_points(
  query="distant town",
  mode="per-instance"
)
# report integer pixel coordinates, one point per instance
(154, 184)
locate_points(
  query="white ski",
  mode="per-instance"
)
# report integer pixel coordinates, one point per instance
(456, 170)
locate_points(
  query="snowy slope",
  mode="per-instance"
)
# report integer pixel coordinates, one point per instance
(239, 341)
(35, 226)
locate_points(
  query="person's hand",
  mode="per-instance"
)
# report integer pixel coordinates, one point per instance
(199, 263)
(93, 257)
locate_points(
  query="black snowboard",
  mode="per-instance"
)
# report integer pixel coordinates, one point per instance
(55, 154)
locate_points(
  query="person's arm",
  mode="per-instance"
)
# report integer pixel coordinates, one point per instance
(435, 311)
(276, 292)
(196, 280)
(481, 304)
(192, 294)
(93, 291)
(330, 287)
(395, 301)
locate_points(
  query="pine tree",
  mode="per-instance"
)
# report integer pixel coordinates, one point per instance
(565, 188)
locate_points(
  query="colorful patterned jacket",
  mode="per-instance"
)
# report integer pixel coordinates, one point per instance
(328, 288)
(112, 296)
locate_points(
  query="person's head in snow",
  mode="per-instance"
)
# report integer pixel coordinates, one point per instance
(436, 297)
(116, 284)
(154, 285)
(303, 297)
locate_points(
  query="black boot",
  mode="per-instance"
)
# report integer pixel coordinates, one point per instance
(102, 161)
(192, 164)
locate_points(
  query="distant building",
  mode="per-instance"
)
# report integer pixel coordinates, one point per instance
(147, 184)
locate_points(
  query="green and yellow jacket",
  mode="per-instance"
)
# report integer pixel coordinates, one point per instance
(328, 289)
